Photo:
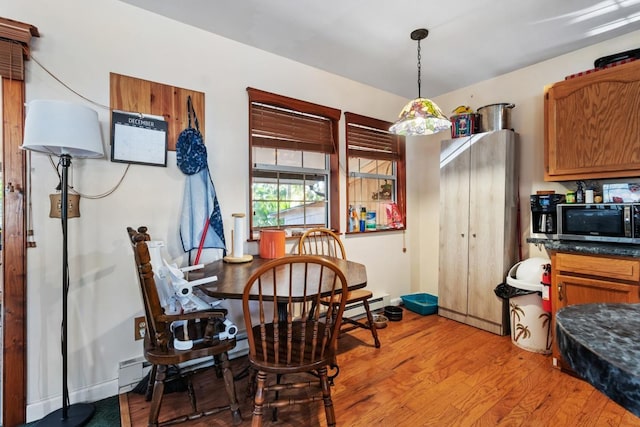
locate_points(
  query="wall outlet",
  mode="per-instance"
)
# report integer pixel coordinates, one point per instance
(73, 205)
(140, 327)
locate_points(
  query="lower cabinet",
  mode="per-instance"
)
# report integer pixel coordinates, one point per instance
(584, 279)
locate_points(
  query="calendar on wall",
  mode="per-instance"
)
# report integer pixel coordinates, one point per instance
(138, 138)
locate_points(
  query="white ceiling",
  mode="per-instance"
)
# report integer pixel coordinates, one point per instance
(369, 40)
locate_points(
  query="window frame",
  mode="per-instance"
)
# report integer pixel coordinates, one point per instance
(390, 147)
(304, 107)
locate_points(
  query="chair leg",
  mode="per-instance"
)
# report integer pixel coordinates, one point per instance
(216, 364)
(230, 388)
(274, 411)
(158, 392)
(251, 386)
(372, 326)
(326, 396)
(334, 316)
(334, 365)
(192, 395)
(259, 398)
(152, 380)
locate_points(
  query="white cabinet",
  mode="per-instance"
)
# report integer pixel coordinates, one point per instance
(478, 240)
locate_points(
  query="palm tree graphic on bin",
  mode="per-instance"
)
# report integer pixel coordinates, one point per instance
(521, 330)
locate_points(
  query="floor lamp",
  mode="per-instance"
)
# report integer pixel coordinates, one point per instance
(68, 131)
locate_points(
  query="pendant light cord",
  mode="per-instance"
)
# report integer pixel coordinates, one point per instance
(419, 35)
(419, 69)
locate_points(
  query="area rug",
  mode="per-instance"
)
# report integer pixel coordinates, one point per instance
(107, 414)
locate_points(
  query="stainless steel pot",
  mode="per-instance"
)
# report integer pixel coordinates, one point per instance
(495, 117)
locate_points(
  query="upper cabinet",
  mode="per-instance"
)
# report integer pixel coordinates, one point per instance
(592, 125)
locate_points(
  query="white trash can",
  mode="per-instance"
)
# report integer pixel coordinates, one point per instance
(530, 324)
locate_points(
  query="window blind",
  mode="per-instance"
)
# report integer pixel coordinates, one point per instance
(11, 62)
(14, 47)
(369, 138)
(280, 128)
(280, 122)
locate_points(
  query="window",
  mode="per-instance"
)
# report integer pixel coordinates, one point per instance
(376, 172)
(293, 152)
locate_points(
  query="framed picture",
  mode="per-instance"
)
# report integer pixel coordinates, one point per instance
(138, 138)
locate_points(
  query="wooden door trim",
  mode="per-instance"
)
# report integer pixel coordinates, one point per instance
(14, 295)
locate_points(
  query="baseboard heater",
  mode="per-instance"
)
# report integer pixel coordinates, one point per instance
(377, 302)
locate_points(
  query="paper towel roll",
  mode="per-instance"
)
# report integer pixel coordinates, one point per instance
(238, 235)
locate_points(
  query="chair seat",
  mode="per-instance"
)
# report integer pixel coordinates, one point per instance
(171, 356)
(352, 297)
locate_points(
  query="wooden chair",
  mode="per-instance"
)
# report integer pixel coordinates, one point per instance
(322, 241)
(287, 336)
(158, 342)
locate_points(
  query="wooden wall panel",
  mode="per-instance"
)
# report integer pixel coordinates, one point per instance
(142, 96)
(14, 295)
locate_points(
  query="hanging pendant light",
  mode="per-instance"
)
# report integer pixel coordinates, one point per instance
(420, 116)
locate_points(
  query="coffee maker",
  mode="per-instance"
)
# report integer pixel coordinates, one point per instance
(544, 217)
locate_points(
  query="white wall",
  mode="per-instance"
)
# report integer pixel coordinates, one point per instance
(524, 88)
(80, 43)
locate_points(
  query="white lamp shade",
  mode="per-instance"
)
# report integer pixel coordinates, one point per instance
(59, 127)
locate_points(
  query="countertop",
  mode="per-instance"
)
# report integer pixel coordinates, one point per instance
(591, 248)
(601, 343)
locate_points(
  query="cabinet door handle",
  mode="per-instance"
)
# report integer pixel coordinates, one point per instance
(474, 234)
(461, 234)
(559, 291)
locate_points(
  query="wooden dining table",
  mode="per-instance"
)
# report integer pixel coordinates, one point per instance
(232, 277)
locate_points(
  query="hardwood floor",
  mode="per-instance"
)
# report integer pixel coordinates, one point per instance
(430, 371)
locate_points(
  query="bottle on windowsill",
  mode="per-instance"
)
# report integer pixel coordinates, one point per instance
(352, 219)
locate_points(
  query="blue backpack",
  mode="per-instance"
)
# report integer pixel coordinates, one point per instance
(191, 153)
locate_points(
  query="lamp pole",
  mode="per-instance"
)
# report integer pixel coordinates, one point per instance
(78, 414)
(65, 159)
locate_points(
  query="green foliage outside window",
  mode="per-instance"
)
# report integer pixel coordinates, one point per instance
(271, 199)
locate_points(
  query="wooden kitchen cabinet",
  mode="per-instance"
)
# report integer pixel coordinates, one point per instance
(477, 227)
(592, 123)
(584, 279)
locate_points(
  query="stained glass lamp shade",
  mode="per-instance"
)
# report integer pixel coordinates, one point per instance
(420, 116)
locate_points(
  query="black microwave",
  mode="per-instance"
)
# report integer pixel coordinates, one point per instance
(599, 222)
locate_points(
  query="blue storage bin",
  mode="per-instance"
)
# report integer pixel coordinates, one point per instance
(422, 303)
